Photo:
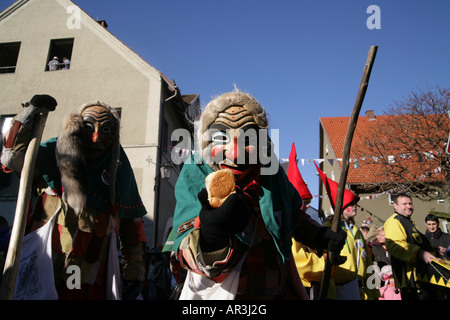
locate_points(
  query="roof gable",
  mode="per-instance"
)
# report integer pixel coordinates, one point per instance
(12, 8)
(87, 21)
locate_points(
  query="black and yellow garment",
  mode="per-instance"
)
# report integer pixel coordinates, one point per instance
(403, 242)
(357, 263)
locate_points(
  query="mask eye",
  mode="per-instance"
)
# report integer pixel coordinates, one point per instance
(87, 126)
(220, 137)
(106, 130)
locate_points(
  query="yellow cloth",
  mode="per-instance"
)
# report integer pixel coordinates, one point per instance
(358, 257)
(398, 246)
(310, 266)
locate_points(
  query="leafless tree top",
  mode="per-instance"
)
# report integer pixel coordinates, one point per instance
(405, 148)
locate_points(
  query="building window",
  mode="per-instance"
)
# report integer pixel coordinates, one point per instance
(59, 54)
(9, 52)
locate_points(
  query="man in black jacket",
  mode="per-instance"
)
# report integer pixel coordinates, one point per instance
(439, 239)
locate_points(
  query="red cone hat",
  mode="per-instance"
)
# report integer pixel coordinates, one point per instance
(332, 187)
(295, 177)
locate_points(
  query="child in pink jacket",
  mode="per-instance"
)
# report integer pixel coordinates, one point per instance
(389, 292)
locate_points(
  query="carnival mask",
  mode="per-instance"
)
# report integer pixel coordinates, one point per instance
(98, 130)
(234, 139)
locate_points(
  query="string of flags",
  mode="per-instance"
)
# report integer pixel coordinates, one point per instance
(391, 158)
(296, 179)
(356, 161)
(368, 197)
(182, 152)
(308, 161)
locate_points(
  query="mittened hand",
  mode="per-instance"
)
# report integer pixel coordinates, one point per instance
(217, 225)
(44, 101)
(336, 240)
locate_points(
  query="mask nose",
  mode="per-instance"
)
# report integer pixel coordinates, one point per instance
(232, 151)
(95, 136)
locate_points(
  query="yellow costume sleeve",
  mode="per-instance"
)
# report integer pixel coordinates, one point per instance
(309, 265)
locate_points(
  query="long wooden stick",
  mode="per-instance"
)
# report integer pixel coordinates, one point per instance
(20, 217)
(345, 163)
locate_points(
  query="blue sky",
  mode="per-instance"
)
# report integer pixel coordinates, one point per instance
(301, 59)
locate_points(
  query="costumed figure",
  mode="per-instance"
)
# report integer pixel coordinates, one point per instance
(412, 254)
(84, 183)
(233, 232)
(349, 278)
(388, 291)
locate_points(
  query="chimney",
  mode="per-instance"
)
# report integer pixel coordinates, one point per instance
(103, 23)
(370, 114)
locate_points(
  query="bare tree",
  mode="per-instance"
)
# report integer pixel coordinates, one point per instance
(406, 146)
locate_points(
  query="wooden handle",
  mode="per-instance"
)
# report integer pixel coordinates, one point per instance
(345, 163)
(20, 217)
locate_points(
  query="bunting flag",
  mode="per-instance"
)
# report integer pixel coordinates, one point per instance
(436, 272)
(295, 177)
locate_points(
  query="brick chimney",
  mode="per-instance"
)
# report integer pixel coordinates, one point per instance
(370, 114)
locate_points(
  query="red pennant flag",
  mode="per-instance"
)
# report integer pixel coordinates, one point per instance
(295, 177)
(332, 187)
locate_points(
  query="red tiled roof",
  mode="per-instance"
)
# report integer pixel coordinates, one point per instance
(370, 170)
(336, 130)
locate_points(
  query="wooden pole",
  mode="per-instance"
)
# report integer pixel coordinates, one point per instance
(20, 218)
(345, 163)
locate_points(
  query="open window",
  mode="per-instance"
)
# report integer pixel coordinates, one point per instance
(59, 54)
(9, 53)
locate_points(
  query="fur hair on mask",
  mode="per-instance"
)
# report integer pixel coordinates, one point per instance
(71, 161)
